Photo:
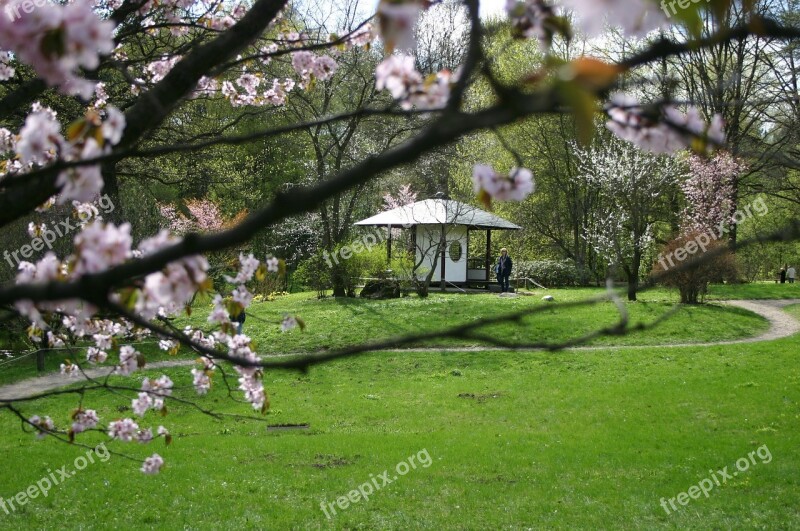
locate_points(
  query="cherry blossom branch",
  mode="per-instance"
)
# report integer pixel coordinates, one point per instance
(664, 48)
(25, 192)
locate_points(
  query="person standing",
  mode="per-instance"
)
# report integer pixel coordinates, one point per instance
(783, 274)
(504, 265)
(791, 274)
(239, 320)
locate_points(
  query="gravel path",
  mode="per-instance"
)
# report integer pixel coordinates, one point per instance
(781, 325)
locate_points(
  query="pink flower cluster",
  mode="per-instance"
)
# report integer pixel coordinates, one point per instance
(709, 192)
(40, 143)
(397, 19)
(57, 41)
(308, 64)
(532, 18)
(515, 186)
(43, 425)
(167, 291)
(84, 419)
(6, 71)
(152, 395)
(666, 131)
(405, 83)
(635, 17)
(275, 95)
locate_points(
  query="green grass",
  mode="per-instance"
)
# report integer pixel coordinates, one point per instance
(334, 323)
(581, 439)
(21, 367)
(576, 439)
(756, 290)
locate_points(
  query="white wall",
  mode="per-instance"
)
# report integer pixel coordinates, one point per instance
(427, 241)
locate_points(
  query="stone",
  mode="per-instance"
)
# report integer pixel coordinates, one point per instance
(381, 289)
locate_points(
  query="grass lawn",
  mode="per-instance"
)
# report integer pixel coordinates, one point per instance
(756, 290)
(590, 439)
(577, 439)
(12, 370)
(333, 323)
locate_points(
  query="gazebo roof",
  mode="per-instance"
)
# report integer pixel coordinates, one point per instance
(439, 212)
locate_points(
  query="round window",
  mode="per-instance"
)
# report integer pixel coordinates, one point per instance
(455, 251)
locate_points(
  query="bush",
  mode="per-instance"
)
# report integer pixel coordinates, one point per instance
(318, 272)
(549, 273)
(314, 273)
(692, 274)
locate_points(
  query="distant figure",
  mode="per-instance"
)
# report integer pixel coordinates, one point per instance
(503, 268)
(239, 320)
(783, 274)
(791, 274)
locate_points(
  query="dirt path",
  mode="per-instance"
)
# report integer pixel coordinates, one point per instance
(781, 325)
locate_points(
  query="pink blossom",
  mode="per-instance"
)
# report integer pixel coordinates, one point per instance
(40, 138)
(396, 21)
(70, 369)
(201, 381)
(289, 322)
(144, 436)
(43, 425)
(635, 17)
(242, 296)
(666, 133)
(84, 419)
(58, 41)
(123, 430)
(82, 183)
(95, 355)
(153, 464)
(398, 75)
(324, 67)
(101, 246)
(141, 404)
(128, 360)
(114, 125)
(513, 187)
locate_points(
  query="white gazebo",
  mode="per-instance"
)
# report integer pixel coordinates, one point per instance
(440, 235)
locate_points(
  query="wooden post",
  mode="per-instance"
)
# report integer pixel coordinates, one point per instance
(389, 247)
(488, 257)
(41, 353)
(443, 245)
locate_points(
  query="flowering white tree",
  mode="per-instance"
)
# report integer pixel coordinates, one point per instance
(135, 64)
(631, 184)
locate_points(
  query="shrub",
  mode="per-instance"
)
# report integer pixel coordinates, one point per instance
(549, 273)
(318, 272)
(315, 274)
(692, 274)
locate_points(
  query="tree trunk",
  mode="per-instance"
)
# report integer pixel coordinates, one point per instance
(111, 188)
(633, 275)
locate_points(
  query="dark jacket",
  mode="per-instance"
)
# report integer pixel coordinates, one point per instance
(504, 268)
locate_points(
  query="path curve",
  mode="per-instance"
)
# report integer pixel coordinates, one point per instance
(781, 325)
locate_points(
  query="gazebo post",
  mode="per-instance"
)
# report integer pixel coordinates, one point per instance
(488, 255)
(443, 246)
(388, 246)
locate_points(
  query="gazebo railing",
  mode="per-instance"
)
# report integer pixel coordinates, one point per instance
(476, 263)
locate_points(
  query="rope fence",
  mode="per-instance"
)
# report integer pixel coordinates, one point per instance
(24, 355)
